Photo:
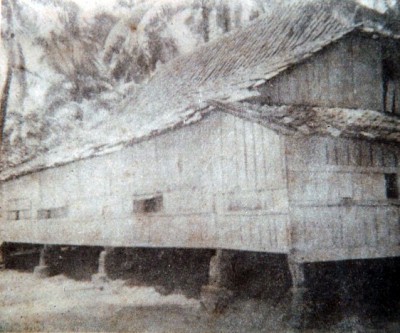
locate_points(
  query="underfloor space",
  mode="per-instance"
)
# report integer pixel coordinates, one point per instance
(253, 275)
(75, 262)
(367, 291)
(54, 304)
(169, 270)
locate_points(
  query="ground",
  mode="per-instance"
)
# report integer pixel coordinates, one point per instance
(58, 303)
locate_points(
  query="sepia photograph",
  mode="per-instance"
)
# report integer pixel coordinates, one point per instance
(200, 166)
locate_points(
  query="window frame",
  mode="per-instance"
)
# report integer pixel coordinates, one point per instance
(151, 204)
(391, 186)
(52, 213)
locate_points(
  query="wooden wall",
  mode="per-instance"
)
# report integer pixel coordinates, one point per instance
(346, 74)
(391, 76)
(222, 181)
(337, 194)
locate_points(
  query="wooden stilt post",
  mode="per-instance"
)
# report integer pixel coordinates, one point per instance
(217, 294)
(298, 291)
(43, 269)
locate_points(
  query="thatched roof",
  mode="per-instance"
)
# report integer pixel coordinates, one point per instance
(227, 69)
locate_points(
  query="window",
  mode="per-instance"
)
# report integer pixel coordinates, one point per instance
(16, 215)
(18, 209)
(13, 215)
(391, 78)
(58, 213)
(392, 190)
(53, 213)
(392, 95)
(43, 214)
(148, 205)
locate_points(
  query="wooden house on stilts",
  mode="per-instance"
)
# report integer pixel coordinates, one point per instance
(281, 137)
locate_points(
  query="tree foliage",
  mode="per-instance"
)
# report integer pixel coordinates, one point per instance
(11, 29)
(90, 63)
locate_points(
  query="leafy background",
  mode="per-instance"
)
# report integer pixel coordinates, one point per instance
(67, 64)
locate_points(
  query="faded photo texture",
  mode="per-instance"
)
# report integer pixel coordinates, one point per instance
(200, 166)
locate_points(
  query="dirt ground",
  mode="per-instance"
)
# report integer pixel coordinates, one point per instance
(58, 303)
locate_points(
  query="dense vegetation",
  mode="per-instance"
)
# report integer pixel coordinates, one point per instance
(64, 67)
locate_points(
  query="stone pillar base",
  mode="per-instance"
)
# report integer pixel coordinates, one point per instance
(99, 278)
(298, 310)
(42, 271)
(215, 299)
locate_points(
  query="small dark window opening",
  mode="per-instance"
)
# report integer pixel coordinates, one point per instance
(58, 213)
(148, 205)
(391, 78)
(392, 189)
(54, 213)
(13, 215)
(18, 214)
(44, 214)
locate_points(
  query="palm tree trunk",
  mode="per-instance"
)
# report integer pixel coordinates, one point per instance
(205, 12)
(5, 93)
(4, 101)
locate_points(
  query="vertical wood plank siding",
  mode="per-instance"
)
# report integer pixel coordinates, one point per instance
(347, 74)
(339, 208)
(222, 183)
